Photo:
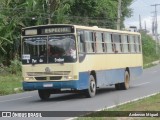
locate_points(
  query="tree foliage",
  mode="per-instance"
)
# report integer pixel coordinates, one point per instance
(149, 49)
(15, 14)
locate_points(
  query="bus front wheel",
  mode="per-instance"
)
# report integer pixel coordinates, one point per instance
(91, 91)
(44, 94)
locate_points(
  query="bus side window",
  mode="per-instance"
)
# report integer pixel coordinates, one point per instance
(108, 41)
(134, 40)
(104, 45)
(137, 44)
(90, 48)
(99, 42)
(131, 41)
(113, 45)
(81, 43)
(129, 47)
(121, 44)
(116, 39)
(125, 43)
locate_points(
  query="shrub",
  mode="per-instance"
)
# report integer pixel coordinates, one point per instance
(15, 66)
(149, 49)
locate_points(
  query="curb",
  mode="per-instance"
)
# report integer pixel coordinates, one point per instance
(153, 63)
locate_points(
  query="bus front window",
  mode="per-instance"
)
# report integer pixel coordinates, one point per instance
(34, 50)
(61, 48)
(51, 49)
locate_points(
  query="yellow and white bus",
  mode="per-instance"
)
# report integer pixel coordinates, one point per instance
(60, 57)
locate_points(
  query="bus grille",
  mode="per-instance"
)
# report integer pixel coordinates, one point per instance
(50, 78)
(40, 78)
(50, 73)
(55, 77)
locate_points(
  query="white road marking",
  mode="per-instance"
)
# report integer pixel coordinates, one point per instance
(109, 107)
(15, 99)
(141, 84)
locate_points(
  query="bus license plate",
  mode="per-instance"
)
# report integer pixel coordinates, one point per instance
(47, 85)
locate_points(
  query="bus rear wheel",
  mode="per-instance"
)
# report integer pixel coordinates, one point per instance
(44, 94)
(91, 91)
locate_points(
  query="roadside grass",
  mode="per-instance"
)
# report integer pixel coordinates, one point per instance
(9, 82)
(147, 104)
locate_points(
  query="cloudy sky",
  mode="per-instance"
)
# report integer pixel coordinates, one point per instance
(143, 8)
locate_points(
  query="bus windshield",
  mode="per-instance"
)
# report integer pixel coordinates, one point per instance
(49, 49)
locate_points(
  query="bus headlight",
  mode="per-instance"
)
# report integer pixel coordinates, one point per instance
(28, 78)
(75, 77)
(68, 77)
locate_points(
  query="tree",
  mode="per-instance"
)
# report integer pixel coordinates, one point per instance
(15, 14)
(102, 13)
(9, 22)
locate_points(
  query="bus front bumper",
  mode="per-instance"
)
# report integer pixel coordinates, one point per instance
(52, 85)
(49, 85)
(80, 84)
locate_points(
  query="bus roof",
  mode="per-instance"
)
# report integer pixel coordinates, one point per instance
(85, 27)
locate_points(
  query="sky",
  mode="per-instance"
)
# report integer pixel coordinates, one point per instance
(143, 8)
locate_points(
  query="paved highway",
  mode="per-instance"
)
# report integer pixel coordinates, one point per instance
(148, 83)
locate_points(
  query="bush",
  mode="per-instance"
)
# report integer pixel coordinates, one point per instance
(15, 66)
(149, 49)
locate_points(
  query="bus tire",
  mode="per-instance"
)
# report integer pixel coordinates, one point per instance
(91, 91)
(125, 84)
(117, 86)
(44, 94)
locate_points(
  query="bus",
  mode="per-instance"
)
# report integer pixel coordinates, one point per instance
(59, 58)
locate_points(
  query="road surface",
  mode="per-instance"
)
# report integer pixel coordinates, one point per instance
(148, 83)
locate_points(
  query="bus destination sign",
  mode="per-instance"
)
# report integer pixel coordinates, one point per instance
(57, 30)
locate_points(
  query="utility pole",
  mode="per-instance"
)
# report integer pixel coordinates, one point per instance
(155, 27)
(119, 15)
(140, 24)
(145, 26)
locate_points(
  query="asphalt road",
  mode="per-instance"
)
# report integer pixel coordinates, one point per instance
(148, 83)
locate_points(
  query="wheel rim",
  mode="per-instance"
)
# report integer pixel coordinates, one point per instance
(127, 81)
(92, 86)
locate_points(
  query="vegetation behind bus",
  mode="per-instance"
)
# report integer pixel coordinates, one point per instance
(15, 14)
(149, 49)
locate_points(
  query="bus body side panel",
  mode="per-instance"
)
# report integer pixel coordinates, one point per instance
(110, 77)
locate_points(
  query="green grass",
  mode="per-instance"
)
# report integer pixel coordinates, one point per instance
(147, 104)
(8, 82)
